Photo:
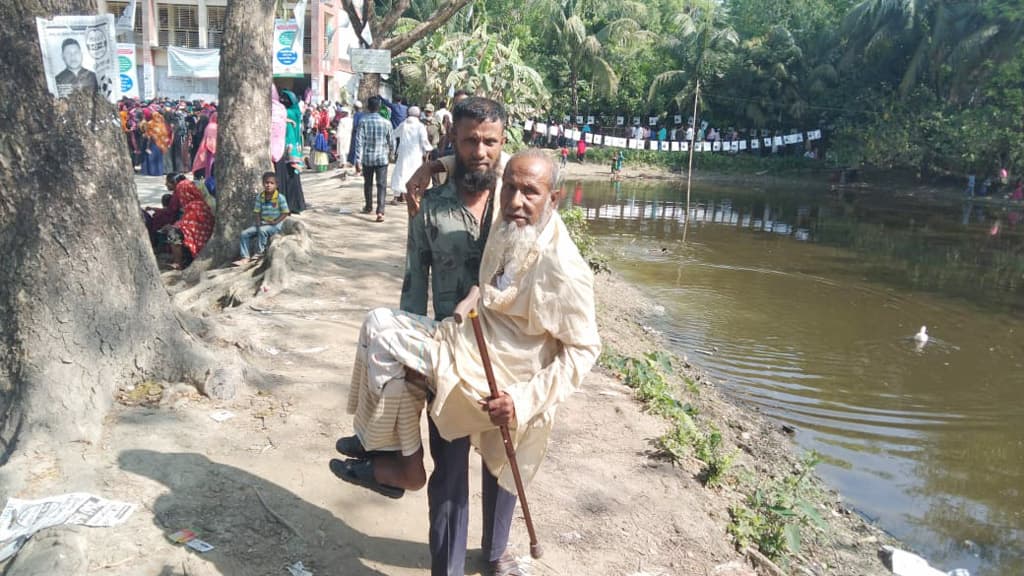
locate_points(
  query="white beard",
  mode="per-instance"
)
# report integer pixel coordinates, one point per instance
(519, 241)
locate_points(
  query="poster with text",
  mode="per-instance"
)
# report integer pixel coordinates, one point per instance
(287, 56)
(127, 68)
(79, 54)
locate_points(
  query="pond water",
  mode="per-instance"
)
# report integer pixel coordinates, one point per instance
(805, 301)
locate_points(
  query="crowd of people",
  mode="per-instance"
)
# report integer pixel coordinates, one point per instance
(997, 185)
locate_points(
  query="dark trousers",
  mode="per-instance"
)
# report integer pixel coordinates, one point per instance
(381, 175)
(448, 500)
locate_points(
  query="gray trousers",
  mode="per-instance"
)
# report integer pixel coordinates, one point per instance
(448, 499)
(380, 174)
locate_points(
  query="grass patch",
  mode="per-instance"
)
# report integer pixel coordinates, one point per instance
(576, 222)
(647, 376)
(776, 516)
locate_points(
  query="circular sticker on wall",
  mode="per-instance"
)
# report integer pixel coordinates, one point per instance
(287, 57)
(126, 83)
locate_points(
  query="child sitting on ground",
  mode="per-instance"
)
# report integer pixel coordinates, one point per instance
(271, 208)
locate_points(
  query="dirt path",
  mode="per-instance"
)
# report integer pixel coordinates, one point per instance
(258, 488)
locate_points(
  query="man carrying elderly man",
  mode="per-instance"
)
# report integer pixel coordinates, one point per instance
(536, 310)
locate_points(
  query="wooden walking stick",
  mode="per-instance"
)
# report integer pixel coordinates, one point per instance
(510, 451)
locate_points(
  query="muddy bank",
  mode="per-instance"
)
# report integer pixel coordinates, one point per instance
(257, 486)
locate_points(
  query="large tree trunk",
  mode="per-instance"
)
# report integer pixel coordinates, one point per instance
(369, 86)
(82, 307)
(243, 135)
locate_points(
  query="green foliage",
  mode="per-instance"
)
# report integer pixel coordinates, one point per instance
(646, 375)
(931, 85)
(777, 515)
(576, 222)
(478, 61)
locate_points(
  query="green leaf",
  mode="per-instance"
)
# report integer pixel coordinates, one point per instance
(812, 514)
(792, 534)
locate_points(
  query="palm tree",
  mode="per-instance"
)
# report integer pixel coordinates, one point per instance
(703, 45)
(947, 44)
(585, 50)
(767, 78)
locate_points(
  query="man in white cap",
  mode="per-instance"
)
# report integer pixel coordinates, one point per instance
(412, 143)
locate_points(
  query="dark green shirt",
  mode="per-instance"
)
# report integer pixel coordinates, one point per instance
(446, 244)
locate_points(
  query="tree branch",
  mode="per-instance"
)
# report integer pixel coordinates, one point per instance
(391, 18)
(358, 24)
(402, 42)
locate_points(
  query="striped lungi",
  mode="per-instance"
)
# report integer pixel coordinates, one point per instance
(386, 408)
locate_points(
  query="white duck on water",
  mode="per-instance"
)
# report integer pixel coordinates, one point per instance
(922, 336)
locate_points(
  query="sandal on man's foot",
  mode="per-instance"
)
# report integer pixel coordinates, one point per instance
(351, 446)
(380, 217)
(360, 473)
(506, 566)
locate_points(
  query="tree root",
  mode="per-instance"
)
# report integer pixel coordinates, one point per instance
(231, 287)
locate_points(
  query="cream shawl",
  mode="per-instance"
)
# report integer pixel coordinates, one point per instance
(542, 338)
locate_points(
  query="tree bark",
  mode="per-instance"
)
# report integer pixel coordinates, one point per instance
(82, 307)
(369, 86)
(243, 135)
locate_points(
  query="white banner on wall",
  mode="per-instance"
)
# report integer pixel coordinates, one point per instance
(79, 53)
(127, 67)
(193, 62)
(287, 60)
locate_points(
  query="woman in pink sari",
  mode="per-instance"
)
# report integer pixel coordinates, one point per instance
(208, 148)
(278, 125)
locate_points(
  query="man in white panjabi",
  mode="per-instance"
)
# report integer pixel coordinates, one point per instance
(343, 135)
(536, 309)
(412, 143)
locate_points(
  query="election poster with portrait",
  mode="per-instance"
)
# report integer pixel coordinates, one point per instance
(80, 53)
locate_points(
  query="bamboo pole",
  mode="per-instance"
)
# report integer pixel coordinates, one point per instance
(689, 170)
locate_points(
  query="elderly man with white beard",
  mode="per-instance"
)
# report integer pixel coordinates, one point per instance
(536, 306)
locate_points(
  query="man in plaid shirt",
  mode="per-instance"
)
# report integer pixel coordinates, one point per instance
(372, 151)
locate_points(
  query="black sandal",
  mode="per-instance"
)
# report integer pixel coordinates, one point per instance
(360, 473)
(351, 446)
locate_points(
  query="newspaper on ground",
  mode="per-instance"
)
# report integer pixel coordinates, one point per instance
(80, 53)
(199, 545)
(21, 519)
(298, 569)
(222, 415)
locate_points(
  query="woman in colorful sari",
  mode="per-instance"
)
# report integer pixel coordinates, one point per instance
(189, 234)
(288, 167)
(157, 141)
(172, 211)
(207, 152)
(278, 125)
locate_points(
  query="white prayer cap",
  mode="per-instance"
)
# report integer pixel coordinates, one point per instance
(414, 111)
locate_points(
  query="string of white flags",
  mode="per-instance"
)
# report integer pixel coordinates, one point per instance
(590, 138)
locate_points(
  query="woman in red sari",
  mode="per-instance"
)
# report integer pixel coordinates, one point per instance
(190, 233)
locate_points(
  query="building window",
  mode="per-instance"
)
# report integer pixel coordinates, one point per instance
(163, 25)
(177, 26)
(186, 27)
(116, 8)
(215, 17)
(307, 37)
